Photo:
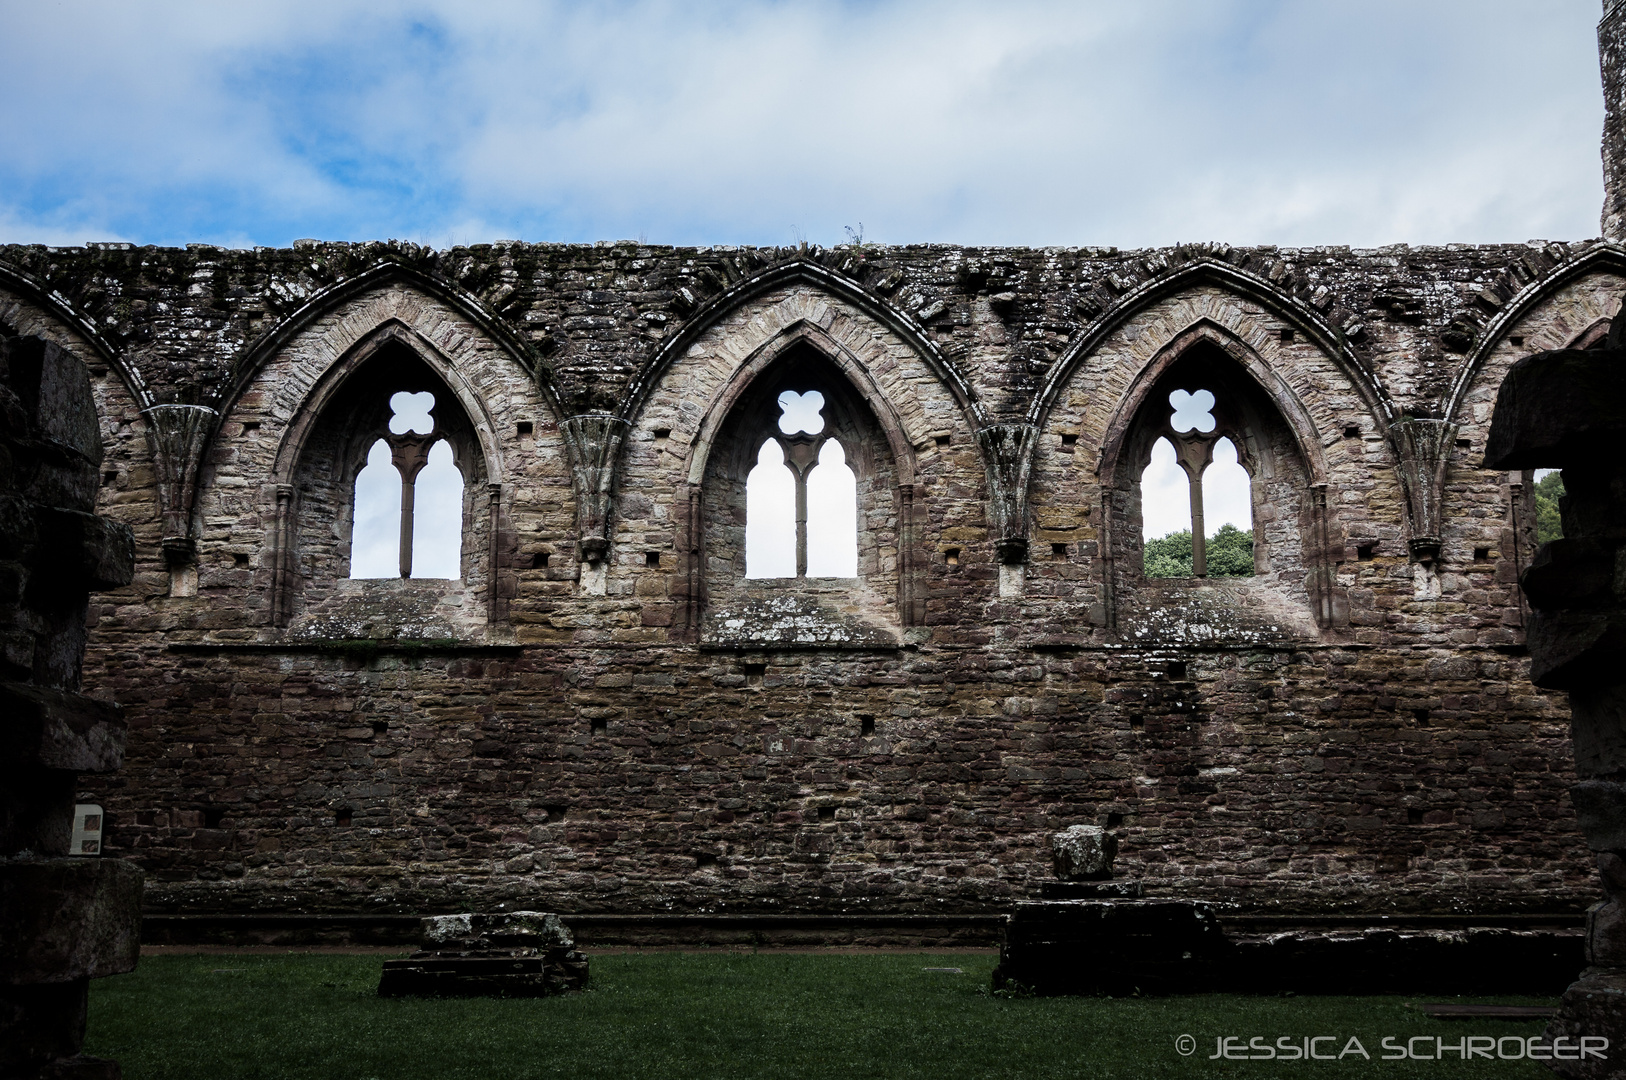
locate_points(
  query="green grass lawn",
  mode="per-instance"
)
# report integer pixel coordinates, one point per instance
(723, 1015)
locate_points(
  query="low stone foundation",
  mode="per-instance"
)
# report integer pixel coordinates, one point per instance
(1120, 947)
(520, 954)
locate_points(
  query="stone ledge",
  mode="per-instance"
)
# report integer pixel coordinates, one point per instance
(794, 620)
(57, 729)
(353, 647)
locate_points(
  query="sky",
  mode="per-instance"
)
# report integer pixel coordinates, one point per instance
(1104, 123)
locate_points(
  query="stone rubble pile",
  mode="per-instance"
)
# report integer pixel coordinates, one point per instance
(512, 954)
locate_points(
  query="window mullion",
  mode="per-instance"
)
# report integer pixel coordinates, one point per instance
(801, 524)
(406, 526)
(801, 454)
(1194, 452)
(410, 455)
(1199, 535)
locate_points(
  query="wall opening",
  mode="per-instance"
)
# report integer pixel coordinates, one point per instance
(380, 487)
(1209, 483)
(801, 498)
(799, 495)
(407, 510)
(1196, 496)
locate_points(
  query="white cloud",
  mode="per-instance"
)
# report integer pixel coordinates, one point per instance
(1165, 494)
(1022, 123)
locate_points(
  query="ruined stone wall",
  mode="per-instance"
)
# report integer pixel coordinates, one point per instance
(603, 716)
(1611, 51)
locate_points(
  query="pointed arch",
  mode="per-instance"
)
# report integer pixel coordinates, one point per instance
(260, 352)
(1292, 311)
(1605, 256)
(81, 325)
(804, 272)
(765, 357)
(391, 332)
(1268, 379)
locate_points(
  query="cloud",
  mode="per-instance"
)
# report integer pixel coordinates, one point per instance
(1021, 123)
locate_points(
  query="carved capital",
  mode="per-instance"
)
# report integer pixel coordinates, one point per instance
(178, 434)
(1007, 452)
(1422, 452)
(593, 440)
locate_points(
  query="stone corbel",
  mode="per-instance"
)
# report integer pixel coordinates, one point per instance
(178, 434)
(593, 441)
(1007, 451)
(1422, 454)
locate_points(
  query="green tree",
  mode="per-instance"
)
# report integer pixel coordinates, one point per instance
(1230, 554)
(1169, 556)
(1549, 489)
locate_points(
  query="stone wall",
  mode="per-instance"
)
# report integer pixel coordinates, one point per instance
(602, 716)
(1611, 51)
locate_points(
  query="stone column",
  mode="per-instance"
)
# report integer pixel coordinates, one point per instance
(1611, 53)
(1007, 452)
(63, 920)
(1567, 409)
(593, 441)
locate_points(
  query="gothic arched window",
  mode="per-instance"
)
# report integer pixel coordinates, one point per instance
(797, 513)
(1196, 495)
(383, 475)
(408, 501)
(801, 498)
(1207, 444)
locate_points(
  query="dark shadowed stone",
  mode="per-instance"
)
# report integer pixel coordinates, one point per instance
(1112, 947)
(1606, 933)
(39, 1023)
(1600, 808)
(1595, 1006)
(1482, 960)
(1557, 408)
(54, 729)
(63, 920)
(67, 919)
(1180, 947)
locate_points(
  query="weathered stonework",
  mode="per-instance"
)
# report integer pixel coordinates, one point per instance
(1350, 730)
(508, 954)
(604, 714)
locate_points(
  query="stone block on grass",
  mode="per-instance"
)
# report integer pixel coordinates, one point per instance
(509, 954)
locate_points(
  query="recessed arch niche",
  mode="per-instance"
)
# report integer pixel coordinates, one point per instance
(1292, 587)
(325, 448)
(727, 607)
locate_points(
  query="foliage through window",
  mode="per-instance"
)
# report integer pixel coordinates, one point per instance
(1549, 489)
(1196, 478)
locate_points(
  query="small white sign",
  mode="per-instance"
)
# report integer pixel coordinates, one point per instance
(87, 830)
